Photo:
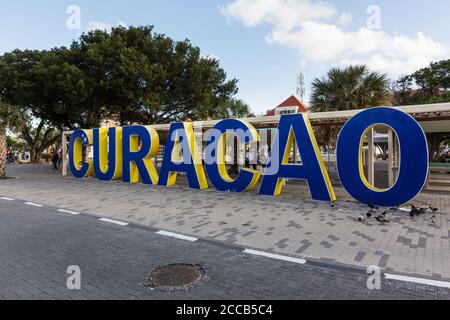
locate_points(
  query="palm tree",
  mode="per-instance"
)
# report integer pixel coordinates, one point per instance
(3, 153)
(354, 87)
(4, 116)
(8, 116)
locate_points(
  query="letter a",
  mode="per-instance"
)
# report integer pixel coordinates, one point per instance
(293, 128)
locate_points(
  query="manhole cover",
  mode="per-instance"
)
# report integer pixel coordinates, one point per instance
(176, 277)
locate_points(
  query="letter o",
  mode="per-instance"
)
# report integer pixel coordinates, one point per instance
(413, 157)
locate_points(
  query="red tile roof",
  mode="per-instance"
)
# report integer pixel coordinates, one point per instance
(292, 101)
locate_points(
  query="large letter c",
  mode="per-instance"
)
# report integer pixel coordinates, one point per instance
(79, 167)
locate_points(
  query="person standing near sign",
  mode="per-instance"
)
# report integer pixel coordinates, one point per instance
(59, 162)
(55, 159)
(251, 159)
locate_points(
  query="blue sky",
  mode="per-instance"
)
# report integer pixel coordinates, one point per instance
(263, 43)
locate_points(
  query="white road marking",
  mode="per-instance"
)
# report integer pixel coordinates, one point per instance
(120, 223)
(434, 283)
(176, 235)
(275, 256)
(69, 212)
(33, 204)
(405, 210)
(7, 199)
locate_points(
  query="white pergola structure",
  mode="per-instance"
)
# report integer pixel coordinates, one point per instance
(434, 118)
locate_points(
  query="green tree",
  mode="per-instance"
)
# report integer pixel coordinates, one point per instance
(16, 144)
(139, 76)
(425, 86)
(38, 137)
(32, 95)
(3, 146)
(62, 94)
(235, 108)
(131, 75)
(354, 87)
(435, 79)
(8, 117)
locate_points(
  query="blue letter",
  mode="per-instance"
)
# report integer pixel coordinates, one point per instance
(182, 155)
(413, 160)
(140, 145)
(215, 156)
(78, 140)
(293, 128)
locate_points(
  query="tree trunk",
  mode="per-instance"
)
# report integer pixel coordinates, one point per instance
(33, 155)
(37, 157)
(3, 153)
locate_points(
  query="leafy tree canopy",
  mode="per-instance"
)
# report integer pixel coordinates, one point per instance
(131, 75)
(235, 108)
(138, 76)
(354, 87)
(427, 85)
(16, 144)
(45, 85)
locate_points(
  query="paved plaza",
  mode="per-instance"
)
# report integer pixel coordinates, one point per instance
(290, 225)
(40, 243)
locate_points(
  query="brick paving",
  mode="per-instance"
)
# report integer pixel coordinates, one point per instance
(38, 245)
(290, 224)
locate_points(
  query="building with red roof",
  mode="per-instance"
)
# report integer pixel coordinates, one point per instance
(289, 106)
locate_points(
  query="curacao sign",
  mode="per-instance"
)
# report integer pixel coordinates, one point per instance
(126, 153)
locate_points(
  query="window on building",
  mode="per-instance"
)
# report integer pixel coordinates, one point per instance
(286, 111)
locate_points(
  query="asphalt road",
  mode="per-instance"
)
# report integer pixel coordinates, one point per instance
(38, 244)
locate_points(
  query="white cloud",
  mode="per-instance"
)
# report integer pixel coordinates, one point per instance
(345, 19)
(316, 30)
(98, 25)
(285, 14)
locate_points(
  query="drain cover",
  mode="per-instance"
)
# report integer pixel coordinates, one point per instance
(176, 277)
